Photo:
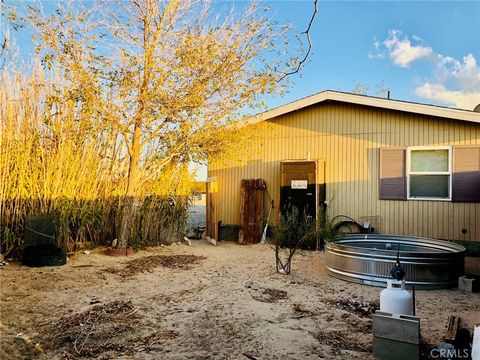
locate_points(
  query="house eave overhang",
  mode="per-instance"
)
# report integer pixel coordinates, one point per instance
(376, 102)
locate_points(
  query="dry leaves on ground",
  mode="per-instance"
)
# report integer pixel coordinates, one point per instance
(270, 295)
(149, 263)
(112, 329)
(362, 308)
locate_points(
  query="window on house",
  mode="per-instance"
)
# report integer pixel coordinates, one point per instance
(429, 173)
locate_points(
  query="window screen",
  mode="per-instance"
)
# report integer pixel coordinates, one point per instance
(429, 173)
(429, 160)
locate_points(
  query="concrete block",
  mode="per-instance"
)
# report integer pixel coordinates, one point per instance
(403, 328)
(386, 349)
(476, 343)
(467, 284)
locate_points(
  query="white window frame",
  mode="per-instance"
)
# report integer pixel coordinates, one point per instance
(449, 172)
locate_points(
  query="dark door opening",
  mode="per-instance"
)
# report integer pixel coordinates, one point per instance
(299, 188)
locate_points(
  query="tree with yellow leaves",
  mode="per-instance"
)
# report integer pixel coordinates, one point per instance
(168, 76)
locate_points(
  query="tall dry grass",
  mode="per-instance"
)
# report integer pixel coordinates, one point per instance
(57, 156)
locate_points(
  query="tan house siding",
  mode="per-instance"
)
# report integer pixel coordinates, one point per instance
(348, 137)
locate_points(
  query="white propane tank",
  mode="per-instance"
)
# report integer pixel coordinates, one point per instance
(395, 299)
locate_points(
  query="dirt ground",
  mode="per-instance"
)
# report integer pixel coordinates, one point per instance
(199, 302)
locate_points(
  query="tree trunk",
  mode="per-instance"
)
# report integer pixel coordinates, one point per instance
(131, 202)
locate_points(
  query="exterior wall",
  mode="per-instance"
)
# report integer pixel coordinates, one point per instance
(348, 138)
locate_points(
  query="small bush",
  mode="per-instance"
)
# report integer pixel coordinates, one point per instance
(290, 234)
(296, 231)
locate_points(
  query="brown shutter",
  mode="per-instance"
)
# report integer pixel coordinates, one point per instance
(466, 173)
(393, 180)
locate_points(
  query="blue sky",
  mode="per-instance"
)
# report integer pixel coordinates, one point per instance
(423, 51)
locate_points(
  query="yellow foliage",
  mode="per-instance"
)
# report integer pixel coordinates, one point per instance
(136, 90)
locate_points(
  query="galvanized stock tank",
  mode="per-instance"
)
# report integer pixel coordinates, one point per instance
(368, 259)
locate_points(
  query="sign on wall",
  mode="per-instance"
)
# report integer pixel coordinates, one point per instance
(299, 184)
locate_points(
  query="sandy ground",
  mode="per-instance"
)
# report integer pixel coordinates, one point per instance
(227, 304)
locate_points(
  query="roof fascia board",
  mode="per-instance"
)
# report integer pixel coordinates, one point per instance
(455, 114)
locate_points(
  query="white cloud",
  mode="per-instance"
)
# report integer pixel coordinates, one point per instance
(467, 74)
(456, 83)
(459, 99)
(452, 82)
(401, 50)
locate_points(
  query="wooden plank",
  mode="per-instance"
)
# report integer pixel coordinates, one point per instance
(241, 232)
(208, 212)
(251, 212)
(250, 216)
(212, 211)
(215, 214)
(452, 328)
(258, 215)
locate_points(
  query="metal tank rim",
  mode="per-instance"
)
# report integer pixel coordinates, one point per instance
(432, 263)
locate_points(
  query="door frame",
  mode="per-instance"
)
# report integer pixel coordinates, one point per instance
(320, 185)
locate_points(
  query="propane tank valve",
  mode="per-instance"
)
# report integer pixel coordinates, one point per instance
(398, 272)
(395, 299)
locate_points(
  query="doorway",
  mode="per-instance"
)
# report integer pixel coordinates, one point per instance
(302, 185)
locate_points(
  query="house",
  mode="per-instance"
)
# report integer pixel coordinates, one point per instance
(405, 168)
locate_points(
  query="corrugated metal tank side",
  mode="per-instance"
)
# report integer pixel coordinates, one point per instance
(348, 137)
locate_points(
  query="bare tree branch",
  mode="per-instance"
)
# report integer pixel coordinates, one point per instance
(307, 33)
